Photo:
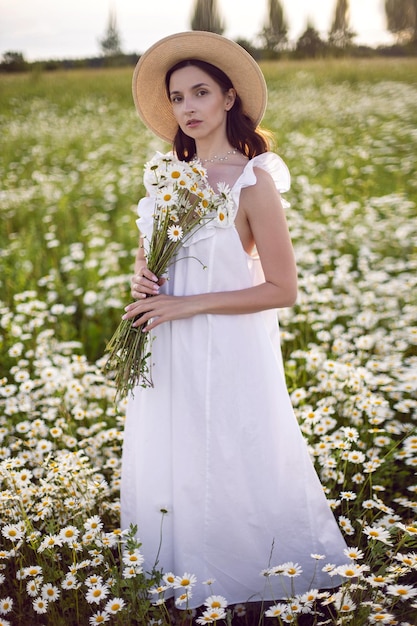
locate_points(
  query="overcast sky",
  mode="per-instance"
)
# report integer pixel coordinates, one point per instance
(46, 29)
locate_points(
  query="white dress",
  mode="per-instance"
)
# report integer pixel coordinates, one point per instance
(215, 442)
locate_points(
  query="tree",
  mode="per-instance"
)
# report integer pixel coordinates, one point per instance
(274, 33)
(206, 16)
(402, 19)
(13, 62)
(111, 42)
(310, 43)
(340, 34)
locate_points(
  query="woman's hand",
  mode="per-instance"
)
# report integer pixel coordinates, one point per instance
(157, 309)
(145, 283)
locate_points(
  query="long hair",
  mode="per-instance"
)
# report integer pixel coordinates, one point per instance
(241, 131)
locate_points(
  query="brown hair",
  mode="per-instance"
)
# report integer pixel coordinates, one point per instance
(240, 129)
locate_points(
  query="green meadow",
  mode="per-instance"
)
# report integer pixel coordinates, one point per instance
(71, 166)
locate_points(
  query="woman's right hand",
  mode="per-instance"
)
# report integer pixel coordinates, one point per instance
(144, 283)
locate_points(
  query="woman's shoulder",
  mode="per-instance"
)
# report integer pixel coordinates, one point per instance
(274, 168)
(259, 172)
(274, 165)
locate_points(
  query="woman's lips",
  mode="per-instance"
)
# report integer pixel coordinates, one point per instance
(193, 123)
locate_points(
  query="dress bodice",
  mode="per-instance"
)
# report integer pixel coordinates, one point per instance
(268, 161)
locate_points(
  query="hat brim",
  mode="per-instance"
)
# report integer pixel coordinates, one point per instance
(148, 84)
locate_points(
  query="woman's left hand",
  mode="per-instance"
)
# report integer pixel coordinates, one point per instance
(155, 310)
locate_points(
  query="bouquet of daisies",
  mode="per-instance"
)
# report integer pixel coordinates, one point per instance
(184, 202)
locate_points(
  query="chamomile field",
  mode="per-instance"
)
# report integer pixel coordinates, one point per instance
(71, 166)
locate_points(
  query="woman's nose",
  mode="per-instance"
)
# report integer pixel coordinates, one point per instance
(188, 105)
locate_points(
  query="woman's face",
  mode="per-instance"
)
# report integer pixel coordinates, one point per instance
(198, 103)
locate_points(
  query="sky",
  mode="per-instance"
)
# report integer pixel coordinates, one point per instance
(57, 29)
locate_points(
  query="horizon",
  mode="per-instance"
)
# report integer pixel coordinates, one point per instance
(72, 29)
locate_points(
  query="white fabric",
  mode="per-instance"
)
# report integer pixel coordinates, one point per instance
(216, 442)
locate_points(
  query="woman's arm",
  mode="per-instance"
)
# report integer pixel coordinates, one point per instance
(262, 215)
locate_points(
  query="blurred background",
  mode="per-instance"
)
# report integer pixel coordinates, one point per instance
(77, 33)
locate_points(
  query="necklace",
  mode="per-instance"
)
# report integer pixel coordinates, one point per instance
(220, 158)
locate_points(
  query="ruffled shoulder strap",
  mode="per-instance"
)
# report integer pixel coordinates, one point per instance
(271, 163)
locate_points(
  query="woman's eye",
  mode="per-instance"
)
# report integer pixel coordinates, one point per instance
(202, 92)
(175, 99)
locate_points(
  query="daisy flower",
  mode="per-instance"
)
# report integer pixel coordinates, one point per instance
(70, 582)
(405, 592)
(169, 579)
(346, 525)
(93, 524)
(353, 553)
(40, 606)
(131, 572)
(33, 570)
(97, 593)
(175, 232)
(381, 618)
(158, 590)
(308, 598)
(34, 586)
(50, 592)
(69, 534)
(378, 533)
(216, 602)
(183, 598)
(352, 570)
(347, 495)
(49, 542)
(211, 616)
(99, 618)
(277, 610)
(6, 605)
(133, 557)
(186, 581)
(176, 174)
(14, 532)
(410, 529)
(167, 196)
(292, 569)
(114, 605)
(240, 610)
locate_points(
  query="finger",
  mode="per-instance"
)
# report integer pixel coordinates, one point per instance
(142, 290)
(143, 286)
(146, 273)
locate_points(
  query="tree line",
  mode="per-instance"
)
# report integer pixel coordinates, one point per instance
(271, 42)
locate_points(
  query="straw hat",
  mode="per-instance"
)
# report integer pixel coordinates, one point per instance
(148, 83)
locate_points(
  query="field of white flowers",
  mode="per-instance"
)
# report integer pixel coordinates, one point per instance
(71, 173)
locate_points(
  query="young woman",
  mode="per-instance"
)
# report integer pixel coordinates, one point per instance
(213, 451)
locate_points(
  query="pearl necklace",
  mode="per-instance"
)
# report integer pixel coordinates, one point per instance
(220, 158)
